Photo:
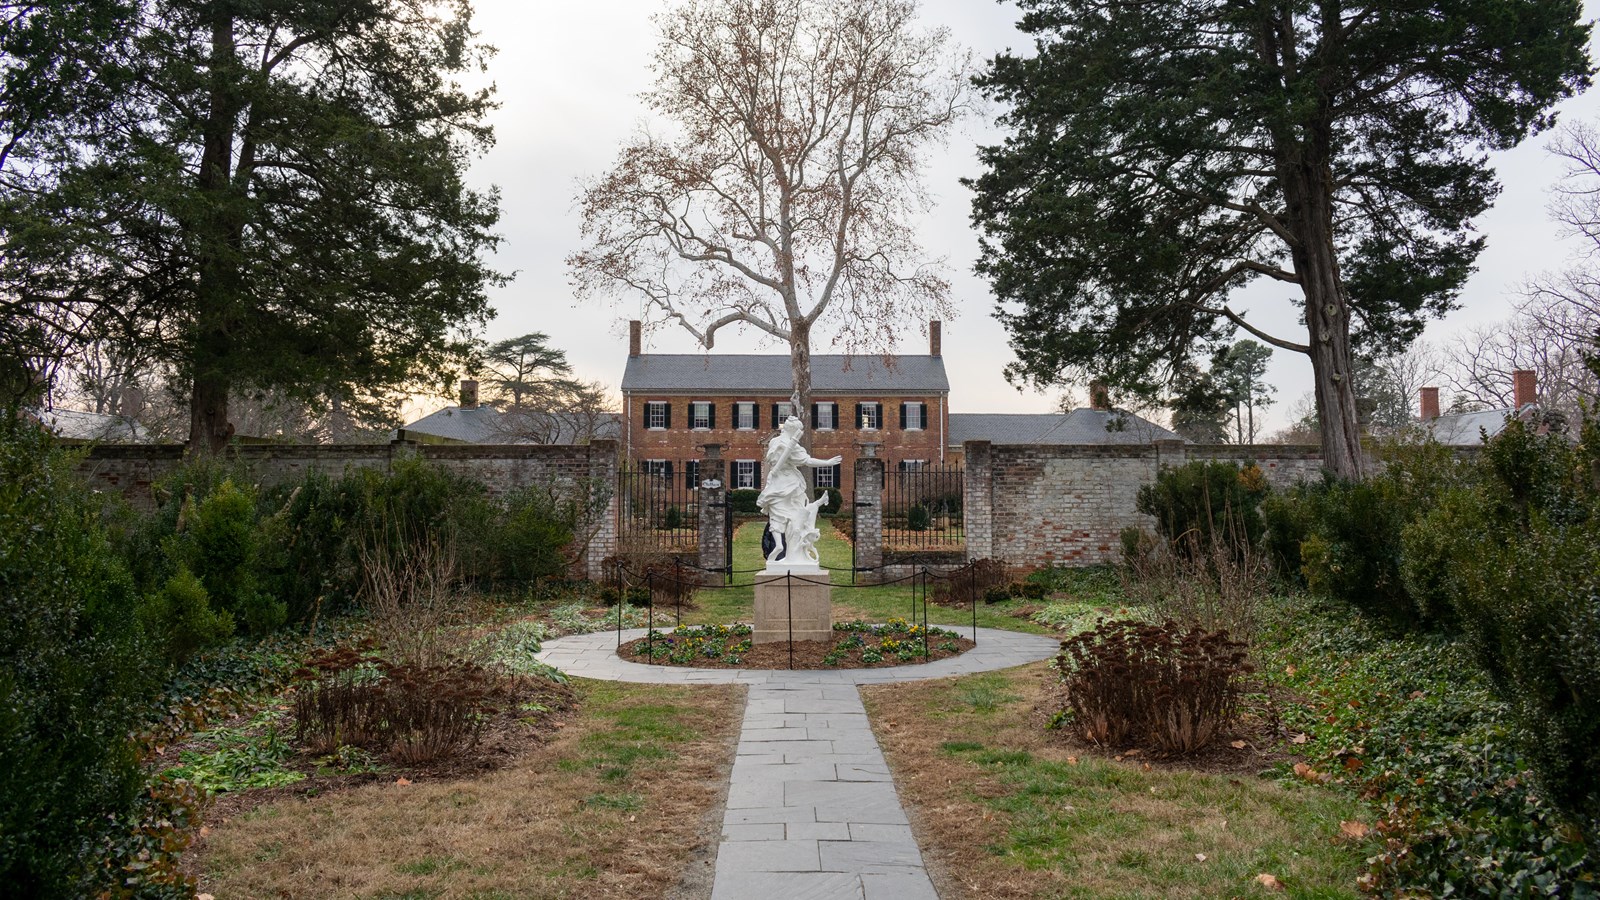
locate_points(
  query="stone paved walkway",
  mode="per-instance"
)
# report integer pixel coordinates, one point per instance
(812, 811)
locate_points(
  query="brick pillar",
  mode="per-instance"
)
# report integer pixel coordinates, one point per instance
(869, 512)
(977, 500)
(602, 522)
(713, 493)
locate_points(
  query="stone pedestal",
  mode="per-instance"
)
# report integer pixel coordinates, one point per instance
(803, 593)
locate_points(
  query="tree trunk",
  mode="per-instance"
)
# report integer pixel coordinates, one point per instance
(216, 275)
(800, 366)
(1328, 323)
(209, 427)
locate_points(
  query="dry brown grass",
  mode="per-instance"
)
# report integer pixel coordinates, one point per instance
(622, 803)
(1004, 808)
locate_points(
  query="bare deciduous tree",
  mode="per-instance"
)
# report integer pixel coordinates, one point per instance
(567, 412)
(788, 188)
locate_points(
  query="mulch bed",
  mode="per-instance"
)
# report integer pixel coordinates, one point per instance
(1266, 742)
(807, 655)
(510, 733)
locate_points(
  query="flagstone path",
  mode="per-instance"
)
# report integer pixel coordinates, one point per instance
(812, 810)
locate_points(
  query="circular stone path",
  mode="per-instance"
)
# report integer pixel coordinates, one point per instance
(812, 810)
(595, 656)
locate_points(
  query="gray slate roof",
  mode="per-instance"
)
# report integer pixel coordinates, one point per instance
(1466, 429)
(677, 373)
(487, 425)
(1081, 426)
(78, 425)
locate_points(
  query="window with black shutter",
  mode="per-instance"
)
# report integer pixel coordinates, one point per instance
(869, 416)
(913, 416)
(691, 474)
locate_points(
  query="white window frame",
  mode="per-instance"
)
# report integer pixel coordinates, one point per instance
(785, 410)
(695, 406)
(833, 415)
(912, 465)
(744, 474)
(656, 468)
(921, 421)
(691, 473)
(744, 416)
(655, 411)
(825, 477)
(871, 416)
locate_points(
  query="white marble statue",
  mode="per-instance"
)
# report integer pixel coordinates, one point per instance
(786, 499)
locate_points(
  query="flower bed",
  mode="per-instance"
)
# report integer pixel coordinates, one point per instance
(855, 645)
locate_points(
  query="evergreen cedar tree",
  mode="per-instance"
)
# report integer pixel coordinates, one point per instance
(788, 196)
(47, 84)
(278, 197)
(1161, 155)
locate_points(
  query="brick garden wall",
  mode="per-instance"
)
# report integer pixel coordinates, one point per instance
(1067, 505)
(131, 470)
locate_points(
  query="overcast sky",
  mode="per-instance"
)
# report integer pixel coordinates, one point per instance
(569, 77)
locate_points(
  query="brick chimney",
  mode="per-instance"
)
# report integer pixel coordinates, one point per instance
(1099, 395)
(635, 337)
(131, 402)
(469, 394)
(935, 338)
(1429, 404)
(1524, 388)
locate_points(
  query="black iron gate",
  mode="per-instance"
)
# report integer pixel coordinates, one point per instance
(658, 508)
(922, 509)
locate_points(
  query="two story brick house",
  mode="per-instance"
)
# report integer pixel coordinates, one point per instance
(673, 405)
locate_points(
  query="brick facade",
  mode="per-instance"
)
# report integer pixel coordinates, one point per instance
(1033, 505)
(679, 443)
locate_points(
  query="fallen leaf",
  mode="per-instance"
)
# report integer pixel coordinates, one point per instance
(1353, 763)
(204, 897)
(402, 781)
(1072, 760)
(1131, 753)
(1354, 830)
(1201, 857)
(1147, 767)
(1238, 745)
(1300, 738)
(1417, 695)
(1224, 823)
(205, 830)
(1269, 882)
(1308, 773)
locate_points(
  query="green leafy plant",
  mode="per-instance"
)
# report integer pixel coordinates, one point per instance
(239, 759)
(180, 618)
(223, 545)
(75, 678)
(1205, 503)
(918, 518)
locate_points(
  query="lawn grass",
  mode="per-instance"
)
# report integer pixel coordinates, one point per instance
(871, 602)
(617, 805)
(1004, 808)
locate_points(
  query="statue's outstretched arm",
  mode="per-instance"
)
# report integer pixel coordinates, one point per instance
(819, 463)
